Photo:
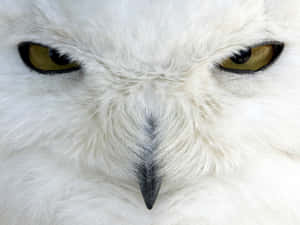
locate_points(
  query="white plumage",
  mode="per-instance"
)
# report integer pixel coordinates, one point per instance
(75, 147)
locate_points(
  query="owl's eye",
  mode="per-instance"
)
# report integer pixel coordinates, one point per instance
(252, 59)
(46, 60)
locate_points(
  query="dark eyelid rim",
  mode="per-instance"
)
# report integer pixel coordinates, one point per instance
(23, 49)
(278, 52)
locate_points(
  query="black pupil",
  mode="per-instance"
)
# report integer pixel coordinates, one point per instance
(61, 60)
(242, 57)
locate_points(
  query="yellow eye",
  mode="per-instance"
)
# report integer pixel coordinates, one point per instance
(252, 59)
(46, 60)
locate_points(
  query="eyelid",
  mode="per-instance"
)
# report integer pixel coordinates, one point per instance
(268, 42)
(24, 50)
(278, 47)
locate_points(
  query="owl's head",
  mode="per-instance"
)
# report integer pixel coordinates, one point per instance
(153, 94)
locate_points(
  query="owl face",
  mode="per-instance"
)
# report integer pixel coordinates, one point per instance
(155, 95)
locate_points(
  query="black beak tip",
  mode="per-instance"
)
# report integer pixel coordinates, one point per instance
(150, 193)
(149, 201)
(149, 205)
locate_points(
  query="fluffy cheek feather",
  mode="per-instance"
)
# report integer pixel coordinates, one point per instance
(41, 191)
(254, 195)
(228, 146)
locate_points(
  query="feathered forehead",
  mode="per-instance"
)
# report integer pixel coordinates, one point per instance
(160, 16)
(165, 18)
(151, 32)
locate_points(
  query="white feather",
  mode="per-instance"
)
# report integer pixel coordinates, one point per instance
(228, 145)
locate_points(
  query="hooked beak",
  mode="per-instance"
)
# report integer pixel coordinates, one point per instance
(150, 184)
(147, 170)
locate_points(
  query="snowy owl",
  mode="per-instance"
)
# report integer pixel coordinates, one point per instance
(150, 112)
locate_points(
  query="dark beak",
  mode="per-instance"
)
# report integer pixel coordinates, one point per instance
(150, 184)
